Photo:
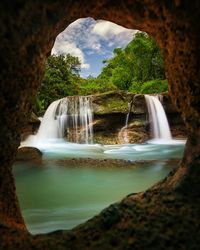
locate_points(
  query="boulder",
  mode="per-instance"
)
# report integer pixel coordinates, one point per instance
(29, 154)
(139, 104)
(111, 102)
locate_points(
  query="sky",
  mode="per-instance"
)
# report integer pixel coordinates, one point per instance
(92, 42)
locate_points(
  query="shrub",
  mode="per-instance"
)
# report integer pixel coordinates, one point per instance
(154, 86)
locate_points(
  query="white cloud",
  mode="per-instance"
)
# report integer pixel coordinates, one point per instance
(85, 66)
(86, 36)
(87, 33)
(79, 22)
(64, 47)
(110, 44)
(106, 28)
(113, 33)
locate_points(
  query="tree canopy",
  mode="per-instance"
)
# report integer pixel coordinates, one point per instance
(61, 79)
(140, 61)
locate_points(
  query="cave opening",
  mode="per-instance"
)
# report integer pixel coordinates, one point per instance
(97, 116)
(170, 201)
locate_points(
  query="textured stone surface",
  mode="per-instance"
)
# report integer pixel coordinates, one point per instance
(96, 163)
(30, 155)
(166, 216)
(31, 127)
(110, 114)
(111, 102)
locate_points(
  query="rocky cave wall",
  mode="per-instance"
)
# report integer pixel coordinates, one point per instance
(27, 33)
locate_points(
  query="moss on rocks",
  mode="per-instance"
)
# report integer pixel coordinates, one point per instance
(111, 102)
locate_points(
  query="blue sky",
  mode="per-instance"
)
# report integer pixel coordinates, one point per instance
(92, 42)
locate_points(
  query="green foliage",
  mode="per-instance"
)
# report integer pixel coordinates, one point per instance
(135, 87)
(138, 68)
(93, 85)
(130, 68)
(154, 86)
(61, 79)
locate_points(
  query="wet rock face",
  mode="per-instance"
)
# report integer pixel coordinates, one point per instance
(110, 115)
(27, 33)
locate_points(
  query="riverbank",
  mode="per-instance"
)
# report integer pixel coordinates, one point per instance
(105, 163)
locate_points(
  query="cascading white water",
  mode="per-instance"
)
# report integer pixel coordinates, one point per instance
(123, 133)
(86, 118)
(158, 120)
(128, 114)
(157, 117)
(70, 118)
(49, 125)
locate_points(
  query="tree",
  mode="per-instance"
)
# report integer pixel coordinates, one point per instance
(138, 62)
(139, 68)
(93, 85)
(61, 79)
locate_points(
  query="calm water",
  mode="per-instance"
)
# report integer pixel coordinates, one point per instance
(55, 197)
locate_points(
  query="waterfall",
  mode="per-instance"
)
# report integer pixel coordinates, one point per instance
(157, 117)
(128, 114)
(123, 133)
(70, 118)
